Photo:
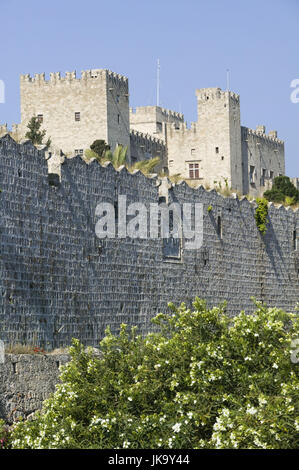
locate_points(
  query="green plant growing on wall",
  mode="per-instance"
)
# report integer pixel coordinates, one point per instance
(210, 208)
(35, 134)
(99, 146)
(261, 214)
(118, 159)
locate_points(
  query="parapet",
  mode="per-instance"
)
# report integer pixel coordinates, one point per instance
(166, 113)
(92, 74)
(141, 138)
(205, 94)
(181, 129)
(260, 132)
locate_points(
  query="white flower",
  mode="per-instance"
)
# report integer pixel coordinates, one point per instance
(190, 414)
(251, 410)
(126, 444)
(130, 398)
(176, 427)
(275, 366)
(262, 401)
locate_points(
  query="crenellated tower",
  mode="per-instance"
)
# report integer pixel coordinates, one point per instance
(219, 130)
(76, 111)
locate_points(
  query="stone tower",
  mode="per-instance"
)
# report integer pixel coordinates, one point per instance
(75, 112)
(219, 136)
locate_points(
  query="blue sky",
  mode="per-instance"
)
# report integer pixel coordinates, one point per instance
(195, 40)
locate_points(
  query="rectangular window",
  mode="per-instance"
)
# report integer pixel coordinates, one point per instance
(159, 126)
(219, 226)
(263, 176)
(118, 119)
(193, 151)
(40, 117)
(217, 149)
(271, 175)
(295, 240)
(78, 151)
(193, 170)
(252, 174)
(77, 117)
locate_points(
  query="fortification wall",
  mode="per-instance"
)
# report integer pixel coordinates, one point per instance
(144, 146)
(26, 380)
(59, 281)
(99, 96)
(263, 159)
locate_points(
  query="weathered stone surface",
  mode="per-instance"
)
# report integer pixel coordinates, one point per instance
(59, 281)
(26, 380)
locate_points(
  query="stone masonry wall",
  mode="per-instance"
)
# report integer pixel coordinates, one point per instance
(26, 380)
(58, 280)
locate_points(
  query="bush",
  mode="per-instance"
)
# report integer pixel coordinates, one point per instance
(203, 381)
(281, 189)
(261, 214)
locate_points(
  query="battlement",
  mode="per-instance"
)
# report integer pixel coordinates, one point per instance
(140, 137)
(260, 133)
(205, 94)
(92, 74)
(181, 128)
(3, 129)
(166, 113)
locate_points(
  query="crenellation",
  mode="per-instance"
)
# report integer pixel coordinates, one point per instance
(215, 149)
(260, 133)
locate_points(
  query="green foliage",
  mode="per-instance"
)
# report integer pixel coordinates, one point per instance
(35, 134)
(146, 166)
(89, 154)
(203, 381)
(210, 208)
(99, 146)
(261, 215)
(118, 158)
(282, 188)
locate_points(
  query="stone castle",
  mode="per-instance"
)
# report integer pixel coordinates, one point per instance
(214, 150)
(59, 281)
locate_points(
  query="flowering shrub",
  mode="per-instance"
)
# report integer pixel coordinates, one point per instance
(4, 435)
(203, 381)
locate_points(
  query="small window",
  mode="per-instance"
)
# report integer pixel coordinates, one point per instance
(271, 175)
(217, 149)
(219, 226)
(263, 176)
(222, 158)
(118, 119)
(159, 126)
(78, 151)
(252, 174)
(40, 118)
(77, 117)
(193, 170)
(193, 151)
(295, 240)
